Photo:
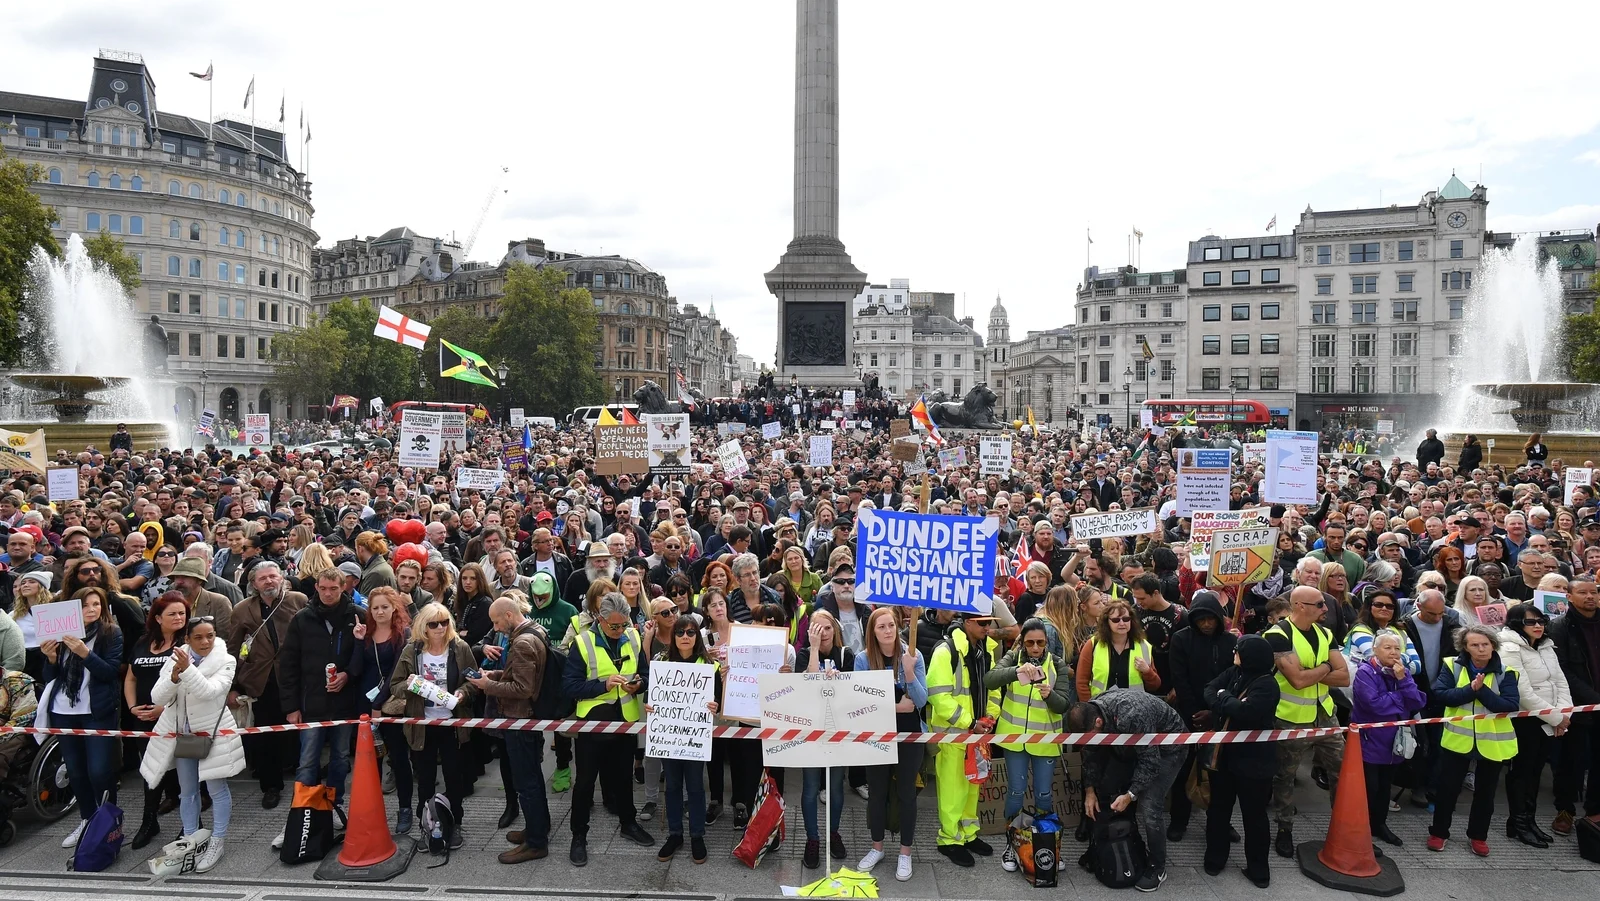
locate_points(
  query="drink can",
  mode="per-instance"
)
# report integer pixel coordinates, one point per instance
(332, 670)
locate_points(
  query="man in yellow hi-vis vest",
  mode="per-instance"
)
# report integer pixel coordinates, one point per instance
(603, 676)
(1309, 665)
(957, 699)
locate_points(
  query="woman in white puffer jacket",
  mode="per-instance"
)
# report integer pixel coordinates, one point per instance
(193, 690)
(1540, 684)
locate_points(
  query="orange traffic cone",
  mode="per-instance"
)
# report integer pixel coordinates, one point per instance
(369, 853)
(1346, 859)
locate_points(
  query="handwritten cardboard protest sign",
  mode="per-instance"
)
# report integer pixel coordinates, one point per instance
(1141, 521)
(844, 702)
(752, 650)
(52, 622)
(679, 724)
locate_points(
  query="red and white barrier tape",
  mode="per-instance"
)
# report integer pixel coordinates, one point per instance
(601, 727)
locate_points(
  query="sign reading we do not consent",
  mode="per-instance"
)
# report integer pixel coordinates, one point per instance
(680, 720)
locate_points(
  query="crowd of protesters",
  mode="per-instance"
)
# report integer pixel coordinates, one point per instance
(281, 587)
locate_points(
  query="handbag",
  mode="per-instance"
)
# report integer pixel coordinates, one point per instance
(1405, 742)
(190, 746)
(244, 716)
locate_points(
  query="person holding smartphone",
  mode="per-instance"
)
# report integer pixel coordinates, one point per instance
(1035, 691)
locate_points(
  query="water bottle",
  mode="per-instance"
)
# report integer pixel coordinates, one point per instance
(437, 834)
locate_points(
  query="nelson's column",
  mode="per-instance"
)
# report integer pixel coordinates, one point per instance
(815, 281)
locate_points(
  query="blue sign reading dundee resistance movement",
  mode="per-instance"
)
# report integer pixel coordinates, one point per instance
(924, 560)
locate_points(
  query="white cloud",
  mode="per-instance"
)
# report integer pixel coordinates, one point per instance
(1590, 156)
(978, 142)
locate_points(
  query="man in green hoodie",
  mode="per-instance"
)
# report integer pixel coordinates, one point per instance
(554, 615)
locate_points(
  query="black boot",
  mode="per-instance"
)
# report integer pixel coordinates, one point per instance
(1522, 831)
(1085, 829)
(1532, 823)
(510, 814)
(148, 830)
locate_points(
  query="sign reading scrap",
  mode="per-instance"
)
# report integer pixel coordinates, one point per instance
(926, 560)
(620, 449)
(1207, 521)
(1241, 556)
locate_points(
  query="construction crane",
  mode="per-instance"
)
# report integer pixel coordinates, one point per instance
(483, 212)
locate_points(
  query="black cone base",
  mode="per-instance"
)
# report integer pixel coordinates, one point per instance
(1388, 882)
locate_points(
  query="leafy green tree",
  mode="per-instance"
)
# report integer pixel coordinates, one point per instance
(373, 366)
(24, 224)
(107, 253)
(547, 332)
(309, 361)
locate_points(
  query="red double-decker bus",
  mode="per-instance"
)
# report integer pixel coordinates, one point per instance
(1234, 413)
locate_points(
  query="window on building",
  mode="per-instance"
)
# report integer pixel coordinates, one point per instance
(239, 238)
(1455, 344)
(1322, 381)
(1364, 253)
(1213, 253)
(194, 304)
(1457, 281)
(238, 307)
(1211, 313)
(273, 278)
(1167, 370)
(1239, 378)
(222, 346)
(1406, 344)
(1105, 313)
(916, 361)
(1363, 284)
(194, 344)
(194, 231)
(955, 360)
(272, 313)
(174, 267)
(174, 301)
(1211, 279)
(1166, 311)
(1363, 312)
(1241, 276)
(222, 306)
(938, 361)
(874, 334)
(1083, 372)
(55, 176)
(1211, 344)
(1211, 379)
(93, 179)
(196, 193)
(1324, 254)
(1269, 344)
(1239, 252)
(1105, 371)
(115, 182)
(135, 225)
(261, 311)
(1457, 307)
(1458, 249)
(1083, 315)
(1361, 379)
(1141, 370)
(1142, 310)
(194, 267)
(1324, 313)
(1405, 379)
(1405, 311)
(1363, 344)
(1239, 345)
(1407, 250)
(1405, 281)
(894, 359)
(1105, 340)
(238, 347)
(1268, 376)
(91, 222)
(1322, 344)
(1325, 284)
(1240, 312)
(1270, 311)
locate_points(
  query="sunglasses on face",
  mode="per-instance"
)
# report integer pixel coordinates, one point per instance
(1378, 606)
(1118, 619)
(197, 620)
(685, 633)
(437, 624)
(841, 581)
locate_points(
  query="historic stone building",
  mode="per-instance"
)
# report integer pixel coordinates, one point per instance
(1119, 313)
(216, 215)
(1241, 341)
(699, 347)
(374, 268)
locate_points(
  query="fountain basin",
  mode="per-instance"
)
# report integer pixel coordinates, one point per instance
(73, 437)
(72, 431)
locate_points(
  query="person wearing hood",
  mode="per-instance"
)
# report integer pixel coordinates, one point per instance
(1542, 685)
(1243, 696)
(1474, 683)
(1384, 690)
(1200, 652)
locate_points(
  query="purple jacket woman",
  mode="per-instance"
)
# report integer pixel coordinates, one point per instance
(1380, 697)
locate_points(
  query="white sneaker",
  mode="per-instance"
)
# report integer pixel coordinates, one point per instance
(1471, 784)
(872, 858)
(210, 857)
(861, 791)
(1008, 860)
(902, 870)
(277, 842)
(388, 780)
(71, 841)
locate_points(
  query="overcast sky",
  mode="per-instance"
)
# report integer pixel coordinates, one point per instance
(980, 140)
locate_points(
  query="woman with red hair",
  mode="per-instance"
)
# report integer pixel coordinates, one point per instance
(388, 624)
(163, 632)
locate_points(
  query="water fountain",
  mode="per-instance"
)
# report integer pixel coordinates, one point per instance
(1513, 353)
(92, 347)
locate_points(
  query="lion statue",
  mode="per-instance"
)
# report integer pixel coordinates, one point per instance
(651, 399)
(975, 411)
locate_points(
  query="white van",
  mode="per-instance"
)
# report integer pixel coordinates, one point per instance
(586, 417)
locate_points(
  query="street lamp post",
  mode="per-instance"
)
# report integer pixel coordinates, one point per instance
(1127, 397)
(503, 370)
(1233, 395)
(616, 387)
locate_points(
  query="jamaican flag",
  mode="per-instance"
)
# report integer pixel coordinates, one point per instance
(1189, 419)
(465, 365)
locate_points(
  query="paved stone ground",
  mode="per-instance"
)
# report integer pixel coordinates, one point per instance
(33, 866)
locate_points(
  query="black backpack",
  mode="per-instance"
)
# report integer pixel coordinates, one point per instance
(438, 827)
(552, 702)
(1118, 849)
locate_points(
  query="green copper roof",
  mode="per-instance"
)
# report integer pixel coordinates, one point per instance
(1454, 189)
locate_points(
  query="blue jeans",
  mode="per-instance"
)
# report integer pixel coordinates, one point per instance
(337, 738)
(189, 800)
(91, 760)
(1018, 765)
(526, 751)
(681, 774)
(811, 787)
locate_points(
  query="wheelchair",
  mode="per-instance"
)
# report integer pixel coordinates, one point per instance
(36, 783)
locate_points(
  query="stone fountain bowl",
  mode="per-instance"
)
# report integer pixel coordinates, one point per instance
(1537, 392)
(69, 384)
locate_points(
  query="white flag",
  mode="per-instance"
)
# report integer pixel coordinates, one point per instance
(249, 92)
(400, 328)
(205, 76)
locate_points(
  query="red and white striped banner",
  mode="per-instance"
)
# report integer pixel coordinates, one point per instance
(599, 727)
